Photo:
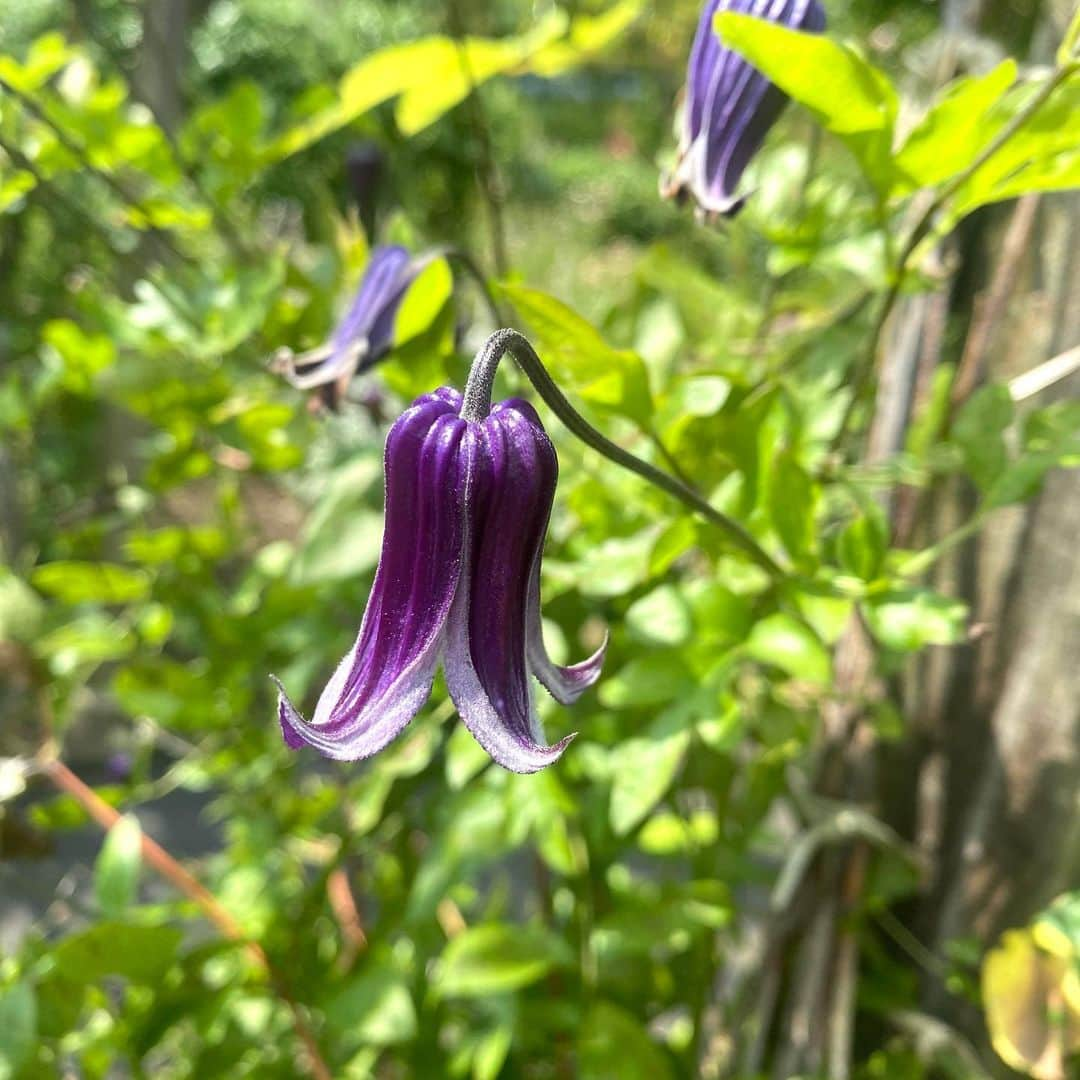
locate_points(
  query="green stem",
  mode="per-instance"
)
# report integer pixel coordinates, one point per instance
(920, 562)
(478, 401)
(472, 268)
(669, 457)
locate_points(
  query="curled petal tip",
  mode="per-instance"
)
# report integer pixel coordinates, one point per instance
(566, 684)
(516, 755)
(291, 720)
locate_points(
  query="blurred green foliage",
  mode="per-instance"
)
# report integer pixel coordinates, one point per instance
(186, 526)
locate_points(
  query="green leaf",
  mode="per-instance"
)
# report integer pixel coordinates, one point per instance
(18, 1028)
(21, 609)
(342, 537)
(116, 875)
(431, 75)
(100, 582)
(646, 680)
(374, 1008)
(491, 1052)
(910, 619)
(1039, 155)
(792, 501)
(954, 131)
(376, 79)
(587, 35)
(850, 97)
(661, 617)
(613, 567)
(496, 958)
(721, 616)
(612, 1045)
(784, 642)
(930, 423)
(579, 359)
(454, 72)
(861, 546)
(424, 300)
(979, 431)
(139, 953)
(46, 56)
(642, 771)
(1056, 172)
(14, 184)
(678, 537)
(1057, 928)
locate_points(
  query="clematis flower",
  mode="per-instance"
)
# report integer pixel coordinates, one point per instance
(366, 333)
(729, 107)
(467, 506)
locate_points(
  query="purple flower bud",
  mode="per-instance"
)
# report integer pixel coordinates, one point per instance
(467, 507)
(366, 333)
(365, 166)
(729, 106)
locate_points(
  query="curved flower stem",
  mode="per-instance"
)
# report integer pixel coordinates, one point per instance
(471, 267)
(669, 457)
(157, 857)
(477, 402)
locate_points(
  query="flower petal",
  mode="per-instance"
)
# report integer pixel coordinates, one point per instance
(730, 105)
(387, 675)
(512, 469)
(564, 684)
(365, 333)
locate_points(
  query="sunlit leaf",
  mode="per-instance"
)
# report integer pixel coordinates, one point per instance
(850, 96)
(911, 619)
(77, 582)
(579, 358)
(587, 35)
(116, 874)
(642, 771)
(18, 1028)
(497, 958)
(1034, 1022)
(954, 130)
(375, 1007)
(783, 642)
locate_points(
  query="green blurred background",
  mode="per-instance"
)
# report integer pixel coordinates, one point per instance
(799, 817)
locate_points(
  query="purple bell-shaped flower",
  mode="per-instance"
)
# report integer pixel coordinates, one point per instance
(730, 106)
(468, 496)
(366, 332)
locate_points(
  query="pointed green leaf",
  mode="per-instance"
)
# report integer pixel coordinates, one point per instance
(497, 958)
(116, 875)
(18, 1028)
(578, 357)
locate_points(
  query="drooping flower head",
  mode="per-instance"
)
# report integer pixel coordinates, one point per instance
(730, 106)
(467, 503)
(366, 332)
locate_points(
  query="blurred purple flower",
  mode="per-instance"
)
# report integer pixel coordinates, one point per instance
(467, 507)
(118, 766)
(365, 167)
(366, 333)
(729, 106)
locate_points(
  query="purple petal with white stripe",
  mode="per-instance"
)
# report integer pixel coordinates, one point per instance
(467, 508)
(386, 677)
(487, 663)
(366, 332)
(730, 106)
